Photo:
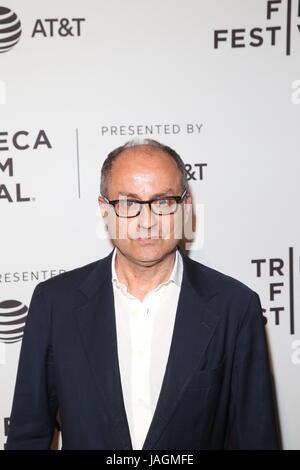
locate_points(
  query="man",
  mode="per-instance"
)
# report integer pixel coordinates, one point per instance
(144, 348)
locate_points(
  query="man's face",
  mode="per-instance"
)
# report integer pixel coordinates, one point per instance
(143, 173)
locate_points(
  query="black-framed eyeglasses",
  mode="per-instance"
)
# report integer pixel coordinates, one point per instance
(165, 205)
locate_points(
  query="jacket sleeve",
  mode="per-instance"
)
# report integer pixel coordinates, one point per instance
(32, 420)
(252, 409)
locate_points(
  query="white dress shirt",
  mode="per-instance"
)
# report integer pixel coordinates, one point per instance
(144, 334)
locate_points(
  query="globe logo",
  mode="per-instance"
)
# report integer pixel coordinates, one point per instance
(10, 29)
(12, 321)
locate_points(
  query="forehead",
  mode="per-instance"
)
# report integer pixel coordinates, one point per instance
(144, 158)
(144, 171)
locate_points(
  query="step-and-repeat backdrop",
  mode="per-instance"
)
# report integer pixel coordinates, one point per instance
(218, 80)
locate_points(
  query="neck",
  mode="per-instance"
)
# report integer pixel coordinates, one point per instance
(140, 280)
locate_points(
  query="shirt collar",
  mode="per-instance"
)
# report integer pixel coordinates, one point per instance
(175, 277)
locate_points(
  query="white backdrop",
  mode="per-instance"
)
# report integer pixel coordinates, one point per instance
(219, 81)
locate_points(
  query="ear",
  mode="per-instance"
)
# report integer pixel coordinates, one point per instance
(188, 204)
(188, 198)
(103, 206)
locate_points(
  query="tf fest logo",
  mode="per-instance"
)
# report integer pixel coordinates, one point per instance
(283, 27)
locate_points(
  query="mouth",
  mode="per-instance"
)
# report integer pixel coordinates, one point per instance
(149, 238)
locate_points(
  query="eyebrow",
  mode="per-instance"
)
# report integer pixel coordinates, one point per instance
(136, 196)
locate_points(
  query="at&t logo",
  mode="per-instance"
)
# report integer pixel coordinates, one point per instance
(12, 320)
(10, 29)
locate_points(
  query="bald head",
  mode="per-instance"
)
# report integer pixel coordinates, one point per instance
(143, 172)
(147, 150)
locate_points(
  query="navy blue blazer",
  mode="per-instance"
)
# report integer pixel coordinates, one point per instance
(216, 391)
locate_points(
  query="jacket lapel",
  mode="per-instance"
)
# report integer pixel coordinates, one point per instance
(96, 320)
(194, 327)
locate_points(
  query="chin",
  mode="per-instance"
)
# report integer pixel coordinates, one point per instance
(149, 250)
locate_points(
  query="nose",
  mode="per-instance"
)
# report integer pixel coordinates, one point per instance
(147, 218)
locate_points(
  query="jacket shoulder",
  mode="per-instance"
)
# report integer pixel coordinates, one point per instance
(71, 279)
(218, 281)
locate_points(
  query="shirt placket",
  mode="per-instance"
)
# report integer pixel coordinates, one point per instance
(141, 323)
